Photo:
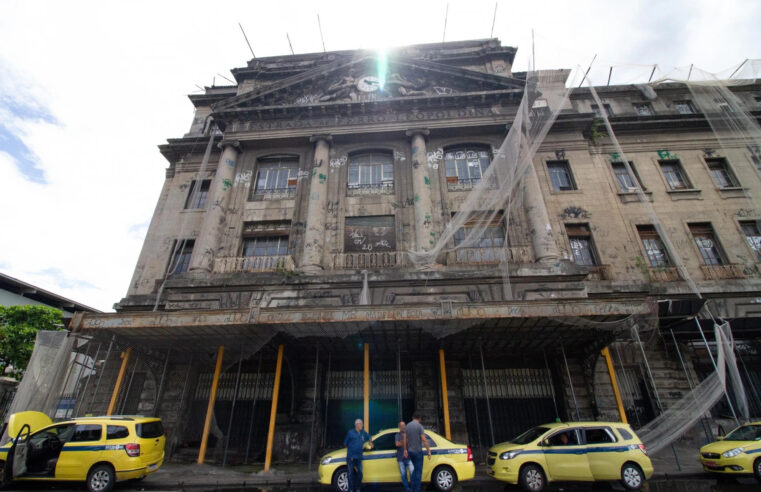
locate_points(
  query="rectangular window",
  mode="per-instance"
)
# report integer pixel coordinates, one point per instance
(684, 107)
(369, 234)
(182, 254)
(265, 246)
(149, 430)
(753, 236)
(560, 175)
(465, 167)
(656, 251)
(674, 174)
(598, 436)
(275, 178)
(116, 432)
(582, 245)
(722, 175)
(643, 109)
(626, 182)
(487, 247)
(87, 433)
(197, 198)
(371, 173)
(608, 110)
(707, 244)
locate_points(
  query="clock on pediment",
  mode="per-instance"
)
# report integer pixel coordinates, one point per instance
(368, 83)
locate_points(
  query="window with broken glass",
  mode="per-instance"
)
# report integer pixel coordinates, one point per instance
(582, 245)
(656, 251)
(674, 174)
(721, 174)
(643, 109)
(197, 198)
(753, 236)
(275, 178)
(466, 166)
(707, 244)
(371, 173)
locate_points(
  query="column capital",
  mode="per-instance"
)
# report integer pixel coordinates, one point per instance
(229, 143)
(317, 138)
(418, 131)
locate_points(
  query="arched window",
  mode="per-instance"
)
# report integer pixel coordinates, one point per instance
(276, 177)
(371, 173)
(466, 165)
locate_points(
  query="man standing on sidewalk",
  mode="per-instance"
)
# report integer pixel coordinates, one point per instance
(355, 442)
(414, 439)
(404, 462)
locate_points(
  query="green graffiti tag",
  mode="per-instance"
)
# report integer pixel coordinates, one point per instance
(226, 184)
(417, 198)
(322, 178)
(615, 156)
(426, 180)
(665, 154)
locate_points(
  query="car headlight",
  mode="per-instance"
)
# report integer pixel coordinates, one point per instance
(732, 452)
(508, 455)
(326, 460)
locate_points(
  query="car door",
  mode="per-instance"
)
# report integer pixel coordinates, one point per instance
(604, 454)
(379, 464)
(566, 457)
(82, 450)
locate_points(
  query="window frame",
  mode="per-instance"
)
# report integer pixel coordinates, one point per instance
(201, 196)
(720, 254)
(685, 102)
(755, 249)
(384, 185)
(482, 254)
(269, 164)
(652, 232)
(181, 258)
(615, 166)
(721, 164)
(688, 186)
(592, 247)
(606, 430)
(646, 105)
(282, 239)
(455, 182)
(557, 164)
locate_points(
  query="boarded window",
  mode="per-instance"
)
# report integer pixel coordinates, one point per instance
(375, 233)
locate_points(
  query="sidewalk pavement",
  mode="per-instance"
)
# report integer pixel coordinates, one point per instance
(193, 476)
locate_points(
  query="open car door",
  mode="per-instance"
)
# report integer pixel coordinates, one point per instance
(15, 466)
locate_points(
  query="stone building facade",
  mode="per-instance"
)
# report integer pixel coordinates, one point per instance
(286, 218)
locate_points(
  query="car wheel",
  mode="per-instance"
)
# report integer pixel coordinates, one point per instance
(632, 477)
(341, 480)
(757, 469)
(532, 478)
(101, 478)
(444, 478)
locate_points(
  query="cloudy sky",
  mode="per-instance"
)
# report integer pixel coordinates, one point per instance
(89, 89)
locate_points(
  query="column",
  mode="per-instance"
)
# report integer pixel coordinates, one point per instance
(545, 249)
(614, 383)
(209, 239)
(314, 235)
(119, 379)
(273, 408)
(425, 237)
(444, 394)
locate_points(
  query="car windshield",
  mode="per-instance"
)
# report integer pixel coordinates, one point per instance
(530, 435)
(745, 433)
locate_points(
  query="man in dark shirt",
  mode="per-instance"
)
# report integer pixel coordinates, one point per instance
(355, 442)
(405, 464)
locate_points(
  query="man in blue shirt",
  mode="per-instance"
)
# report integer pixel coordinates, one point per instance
(355, 441)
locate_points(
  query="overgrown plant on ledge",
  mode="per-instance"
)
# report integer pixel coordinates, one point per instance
(595, 132)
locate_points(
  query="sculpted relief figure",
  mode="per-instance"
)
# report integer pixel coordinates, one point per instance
(343, 89)
(398, 84)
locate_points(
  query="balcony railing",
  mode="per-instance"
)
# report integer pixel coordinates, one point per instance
(490, 256)
(722, 272)
(273, 193)
(371, 189)
(377, 259)
(599, 272)
(463, 184)
(663, 274)
(253, 264)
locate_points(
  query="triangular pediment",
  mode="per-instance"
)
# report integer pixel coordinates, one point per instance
(364, 79)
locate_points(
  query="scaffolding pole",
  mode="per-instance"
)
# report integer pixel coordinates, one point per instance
(210, 406)
(273, 409)
(253, 408)
(314, 404)
(160, 391)
(119, 379)
(100, 376)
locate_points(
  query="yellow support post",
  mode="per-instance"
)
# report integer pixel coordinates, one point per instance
(119, 379)
(616, 393)
(273, 409)
(444, 395)
(367, 388)
(210, 407)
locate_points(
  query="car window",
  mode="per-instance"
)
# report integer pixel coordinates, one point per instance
(116, 432)
(431, 442)
(745, 433)
(149, 430)
(530, 435)
(385, 442)
(87, 432)
(598, 435)
(625, 433)
(564, 438)
(61, 432)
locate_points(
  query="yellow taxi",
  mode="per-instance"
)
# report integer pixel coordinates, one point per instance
(97, 450)
(572, 451)
(737, 453)
(449, 463)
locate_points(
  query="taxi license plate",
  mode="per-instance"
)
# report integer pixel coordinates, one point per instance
(710, 463)
(152, 467)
